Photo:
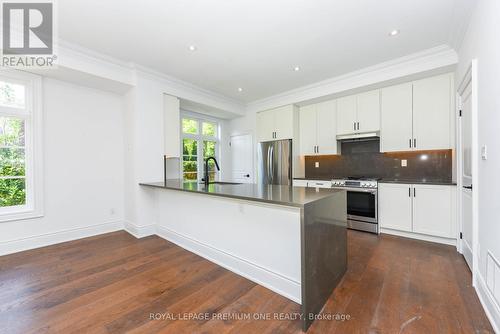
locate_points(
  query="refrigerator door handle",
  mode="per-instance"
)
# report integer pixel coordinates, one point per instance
(269, 164)
(272, 164)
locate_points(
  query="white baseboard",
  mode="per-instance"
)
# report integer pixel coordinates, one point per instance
(490, 306)
(273, 281)
(418, 236)
(140, 231)
(19, 245)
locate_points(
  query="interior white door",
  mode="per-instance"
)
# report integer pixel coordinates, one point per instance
(396, 118)
(326, 116)
(242, 158)
(369, 111)
(346, 115)
(432, 113)
(395, 206)
(308, 132)
(466, 170)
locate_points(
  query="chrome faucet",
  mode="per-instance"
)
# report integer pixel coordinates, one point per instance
(206, 178)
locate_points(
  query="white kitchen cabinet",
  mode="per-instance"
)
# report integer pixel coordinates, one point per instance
(432, 210)
(299, 183)
(418, 208)
(317, 128)
(432, 113)
(358, 113)
(396, 128)
(308, 130)
(368, 111)
(276, 124)
(395, 206)
(346, 115)
(417, 115)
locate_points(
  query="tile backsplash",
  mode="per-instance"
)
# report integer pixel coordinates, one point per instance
(364, 159)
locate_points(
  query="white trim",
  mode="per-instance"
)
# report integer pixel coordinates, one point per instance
(423, 61)
(418, 236)
(273, 281)
(139, 231)
(33, 147)
(491, 308)
(475, 172)
(48, 239)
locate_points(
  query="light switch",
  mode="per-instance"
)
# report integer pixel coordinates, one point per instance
(484, 152)
(316, 164)
(404, 162)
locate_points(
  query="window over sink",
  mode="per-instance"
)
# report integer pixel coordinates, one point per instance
(200, 140)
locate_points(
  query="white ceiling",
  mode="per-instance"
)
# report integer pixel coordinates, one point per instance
(254, 44)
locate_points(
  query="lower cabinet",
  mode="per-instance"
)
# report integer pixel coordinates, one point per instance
(418, 208)
(395, 206)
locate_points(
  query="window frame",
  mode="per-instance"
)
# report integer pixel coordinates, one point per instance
(32, 116)
(200, 138)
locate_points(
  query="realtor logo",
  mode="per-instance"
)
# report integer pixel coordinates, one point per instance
(28, 34)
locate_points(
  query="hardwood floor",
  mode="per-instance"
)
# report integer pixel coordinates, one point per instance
(114, 283)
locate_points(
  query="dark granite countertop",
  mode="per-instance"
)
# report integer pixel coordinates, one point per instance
(439, 182)
(272, 194)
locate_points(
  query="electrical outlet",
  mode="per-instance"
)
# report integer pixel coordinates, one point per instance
(316, 164)
(404, 163)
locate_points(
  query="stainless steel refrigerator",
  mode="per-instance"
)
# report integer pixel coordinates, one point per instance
(275, 162)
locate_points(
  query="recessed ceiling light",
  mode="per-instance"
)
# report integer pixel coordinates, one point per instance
(394, 32)
(240, 89)
(192, 48)
(296, 68)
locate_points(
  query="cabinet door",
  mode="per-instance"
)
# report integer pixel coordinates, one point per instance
(395, 206)
(369, 111)
(346, 115)
(265, 125)
(283, 122)
(396, 118)
(308, 131)
(299, 183)
(326, 127)
(432, 210)
(432, 112)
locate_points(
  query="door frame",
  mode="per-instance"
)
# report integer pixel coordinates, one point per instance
(470, 76)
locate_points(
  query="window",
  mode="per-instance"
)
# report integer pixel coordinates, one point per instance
(200, 140)
(19, 145)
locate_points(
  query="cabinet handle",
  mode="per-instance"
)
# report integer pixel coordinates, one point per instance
(415, 142)
(409, 192)
(410, 142)
(414, 193)
(358, 126)
(317, 149)
(354, 125)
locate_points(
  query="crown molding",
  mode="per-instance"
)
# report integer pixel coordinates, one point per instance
(75, 57)
(423, 61)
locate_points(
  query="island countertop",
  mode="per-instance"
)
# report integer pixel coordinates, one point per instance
(272, 194)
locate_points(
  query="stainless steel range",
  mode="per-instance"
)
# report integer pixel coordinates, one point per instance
(362, 202)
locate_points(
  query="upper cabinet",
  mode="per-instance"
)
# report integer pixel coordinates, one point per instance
(396, 130)
(433, 113)
(276, 124)
(317, 128)
(417, 115)
(358, 113)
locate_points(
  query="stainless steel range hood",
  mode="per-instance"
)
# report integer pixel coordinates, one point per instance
(359, 136)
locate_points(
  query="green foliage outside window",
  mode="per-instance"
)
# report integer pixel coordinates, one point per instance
(12, 162)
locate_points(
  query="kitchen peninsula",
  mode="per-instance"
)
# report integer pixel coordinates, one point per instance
(291, 240)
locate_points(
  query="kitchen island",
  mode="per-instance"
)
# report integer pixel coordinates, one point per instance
(292, 240)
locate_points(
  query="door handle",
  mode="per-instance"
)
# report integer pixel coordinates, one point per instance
(468, 187)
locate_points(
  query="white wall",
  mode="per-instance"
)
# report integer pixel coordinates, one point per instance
(83, 167)
(482, 42)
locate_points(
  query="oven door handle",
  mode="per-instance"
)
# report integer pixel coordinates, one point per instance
(359, 190)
